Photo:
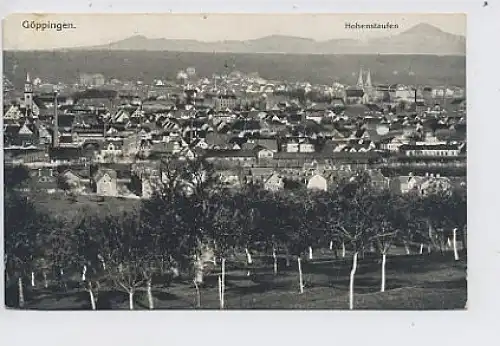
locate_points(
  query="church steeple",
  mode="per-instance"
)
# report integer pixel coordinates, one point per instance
(369, 80)
(360, 78)
(28, 93)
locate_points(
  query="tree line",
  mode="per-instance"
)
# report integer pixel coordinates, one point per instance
(191, 220)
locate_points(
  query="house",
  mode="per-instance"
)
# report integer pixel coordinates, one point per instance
(392, 143)
(378, 180)
(317, 182)
(25, 155)
(436, 150)
(27, 135)
(274, 183)
(77, 180)
(44, 178)
(405, 184)
(106, 182)
(229, 178)
(265, 154)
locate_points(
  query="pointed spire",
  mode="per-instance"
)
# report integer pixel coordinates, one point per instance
(360, 78)
(369, 79)
(28, 80)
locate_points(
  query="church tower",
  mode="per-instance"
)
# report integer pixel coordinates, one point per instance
(28, 93)
(360, 79)
(369, 80)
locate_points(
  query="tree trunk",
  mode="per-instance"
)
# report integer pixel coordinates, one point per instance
(21, 292)
(150, 296)
(249, 260)
(310, 253)
(275, 262)
(301, 281)
(351, 280)
(131, 300)
(331, 245)
(223, 283)
(429, 249)
(421, 248)
(441, 245)
(84, 272)
(249, 256)
(407, 248)
(45, 282)
(287, 258)
(384, 257)
(92, 298)
(464, 238)
(32, 279)
(198, 295)
(61, 273)
(431, 235)
(455, 250)
(219, 281)
(343, 250)
(198, 270)
(448, 242)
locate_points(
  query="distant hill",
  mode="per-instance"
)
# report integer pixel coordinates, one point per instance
(420, 39)
(65, 66)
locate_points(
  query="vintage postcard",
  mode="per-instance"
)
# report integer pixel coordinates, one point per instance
(235, 161)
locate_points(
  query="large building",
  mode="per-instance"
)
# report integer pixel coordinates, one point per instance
(91, 79)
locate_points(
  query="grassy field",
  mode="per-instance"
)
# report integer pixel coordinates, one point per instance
(414, 282)
(62, 204)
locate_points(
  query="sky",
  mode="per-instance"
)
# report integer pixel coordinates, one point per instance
(97, 29)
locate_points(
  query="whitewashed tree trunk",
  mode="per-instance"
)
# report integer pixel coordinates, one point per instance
(343, 250)
(45, 281)
(219, 280)
(150, 296)
(421, 248)
(448, 242)
(310, 253)
(20, 288)
(198, 270)
(32, 279)
(384, 258)
(301, 281)
(428, 248)
(407, 248)
(131, 300)
(198, 295)
(92, 298)
(223, 282)
(331, 245)
(275, 262)
(287, 258)
(84, 272)
(351, 280)
(61, 273)
(249, 256)
(455, 250)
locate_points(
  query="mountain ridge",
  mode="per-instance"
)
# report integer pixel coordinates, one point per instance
(422, 39)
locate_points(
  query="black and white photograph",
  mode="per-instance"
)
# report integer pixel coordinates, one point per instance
(235, 161)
